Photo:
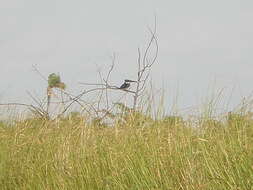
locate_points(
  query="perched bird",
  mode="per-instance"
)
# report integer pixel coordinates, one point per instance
(126, 84)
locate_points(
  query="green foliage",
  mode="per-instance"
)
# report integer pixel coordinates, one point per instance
(54, 81)
(2, 123)
(127, 116)
(238, 120)
(70, 154)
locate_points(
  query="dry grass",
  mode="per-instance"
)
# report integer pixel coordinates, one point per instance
(164, 154)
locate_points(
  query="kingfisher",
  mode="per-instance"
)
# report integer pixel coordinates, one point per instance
(126, 84)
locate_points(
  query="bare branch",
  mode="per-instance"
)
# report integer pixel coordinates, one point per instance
(107, 79)
(40, 107)
(37, 110)
(157, 48)
(146, 65)
(39, 73)
(92, 84)
(139, 64)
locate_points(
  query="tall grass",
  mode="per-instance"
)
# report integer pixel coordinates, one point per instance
(152, 154)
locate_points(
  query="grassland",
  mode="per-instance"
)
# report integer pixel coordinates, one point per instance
(140, 153)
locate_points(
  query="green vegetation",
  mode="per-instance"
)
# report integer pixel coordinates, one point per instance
(152, 154)
(54, 81)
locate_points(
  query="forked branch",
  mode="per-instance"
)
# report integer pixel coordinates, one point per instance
(144, 65)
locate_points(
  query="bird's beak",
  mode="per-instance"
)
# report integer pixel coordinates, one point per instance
(130, 80)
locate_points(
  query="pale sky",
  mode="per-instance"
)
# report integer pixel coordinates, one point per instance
(203, 45)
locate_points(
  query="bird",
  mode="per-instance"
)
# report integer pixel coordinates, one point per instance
(126, 84)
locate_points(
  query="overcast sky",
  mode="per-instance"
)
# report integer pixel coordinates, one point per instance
(203, 45)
